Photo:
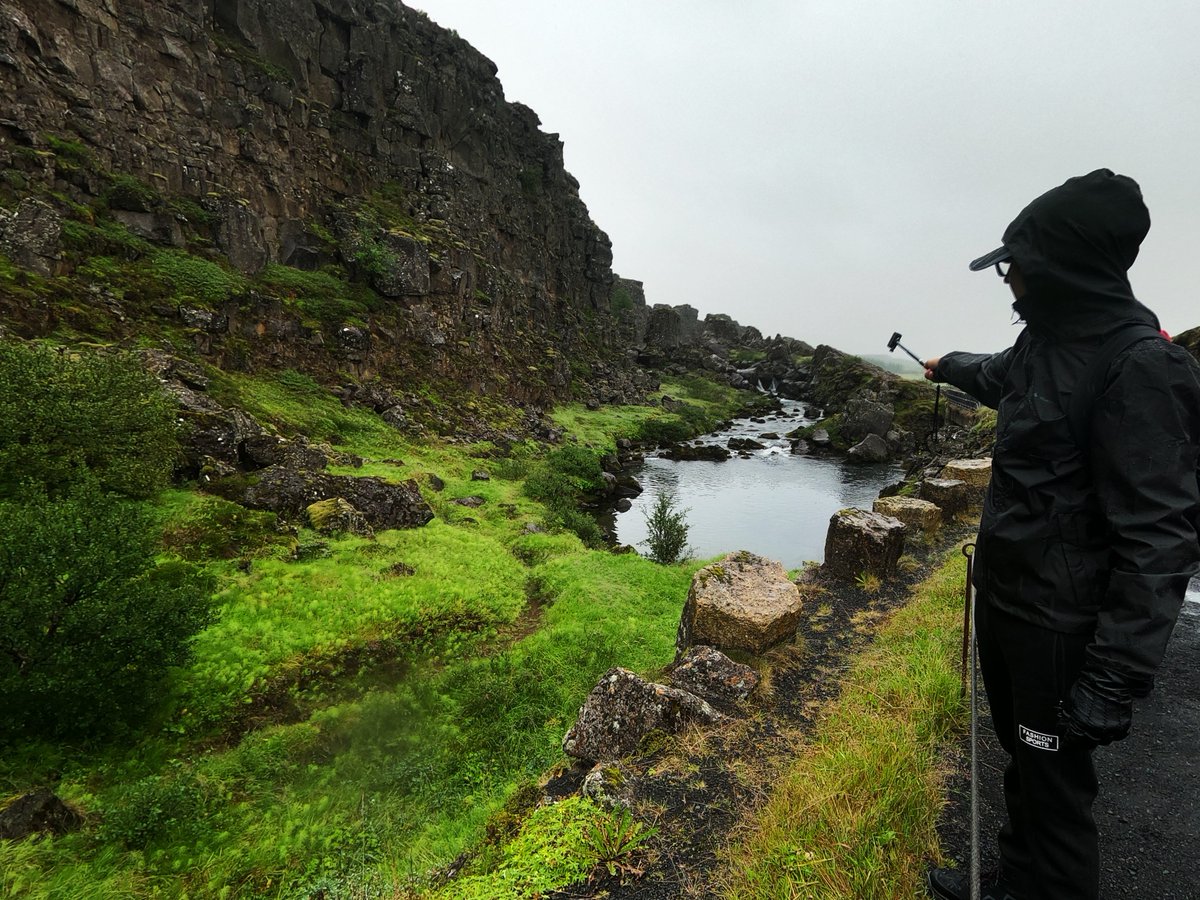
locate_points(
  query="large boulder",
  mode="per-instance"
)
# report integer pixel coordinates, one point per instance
(871, 449)
(623, 708)
(38, 812)
(710, 674)
(383, 504)
(742, 602)
(859, 541)
(918, 515)
(865, 417)
(974, 473)
(951, 495)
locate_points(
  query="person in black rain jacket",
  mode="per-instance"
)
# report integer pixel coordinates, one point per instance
(1084, 552)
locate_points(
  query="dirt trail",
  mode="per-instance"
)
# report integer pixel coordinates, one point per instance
(1148, 811)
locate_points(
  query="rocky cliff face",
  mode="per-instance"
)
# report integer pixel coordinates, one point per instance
(308, 133)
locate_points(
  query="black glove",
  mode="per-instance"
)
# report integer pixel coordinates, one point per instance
(1098, 709)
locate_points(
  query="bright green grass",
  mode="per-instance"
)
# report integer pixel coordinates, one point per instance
(853, 818)
(297, 404)
(282, 614)
(373, 789)
(389, 775)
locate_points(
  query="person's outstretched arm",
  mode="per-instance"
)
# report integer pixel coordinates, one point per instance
(981, 375)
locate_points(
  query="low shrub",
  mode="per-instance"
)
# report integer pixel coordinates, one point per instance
(667, 529)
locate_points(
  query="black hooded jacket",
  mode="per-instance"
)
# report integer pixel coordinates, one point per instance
(1100, 539)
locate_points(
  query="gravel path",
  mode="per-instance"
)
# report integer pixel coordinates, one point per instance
(1149, 806)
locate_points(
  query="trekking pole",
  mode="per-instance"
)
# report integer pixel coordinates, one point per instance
(968, 551)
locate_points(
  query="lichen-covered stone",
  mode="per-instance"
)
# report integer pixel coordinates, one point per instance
(974, 473)
(710, 674)
(859, 541)
(337, 515)
(741, 602)
(610, 784)
(950, 495)
(919, 515)
(623, 708)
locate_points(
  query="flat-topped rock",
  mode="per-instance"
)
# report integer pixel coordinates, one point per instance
(919, 515)
(859, 541)
(975, 473)
(742, 602)
(951, 495)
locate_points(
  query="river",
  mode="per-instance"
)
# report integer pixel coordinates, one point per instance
(774, 503)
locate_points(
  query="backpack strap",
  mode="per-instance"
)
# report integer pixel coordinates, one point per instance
(1091, 383)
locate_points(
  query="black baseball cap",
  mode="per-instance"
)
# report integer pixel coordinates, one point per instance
(999, 255)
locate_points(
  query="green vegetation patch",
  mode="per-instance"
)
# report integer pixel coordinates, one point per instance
(554, 849)
(297, 404)
(283, 615)
(196, 279)
(326, 296)
(855, 816)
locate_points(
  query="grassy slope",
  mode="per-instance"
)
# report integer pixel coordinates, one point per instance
(378, 720)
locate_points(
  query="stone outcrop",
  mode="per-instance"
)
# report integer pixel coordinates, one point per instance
(307, 133)
(336, 515)
(30, 235)
(37, 812)
(871, 449)
(623, 708)
(862, 542)
(918, 515)
(290, 492)
(710, 674)
(742, 602)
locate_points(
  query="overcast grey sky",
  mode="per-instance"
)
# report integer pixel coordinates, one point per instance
(827, 169)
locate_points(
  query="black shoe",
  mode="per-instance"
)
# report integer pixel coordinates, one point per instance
(955, 884)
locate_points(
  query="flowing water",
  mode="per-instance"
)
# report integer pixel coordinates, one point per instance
(774, 504)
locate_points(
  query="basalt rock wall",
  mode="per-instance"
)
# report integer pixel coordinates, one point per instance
(278, 117)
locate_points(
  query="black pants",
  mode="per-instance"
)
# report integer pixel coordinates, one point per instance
(1049, 842)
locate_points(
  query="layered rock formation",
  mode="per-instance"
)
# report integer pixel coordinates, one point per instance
(306, 133)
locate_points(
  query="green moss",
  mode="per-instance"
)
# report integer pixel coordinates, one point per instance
(196, 279)
(553, 850)
(128, 192)
(327, 296)
(104, 238)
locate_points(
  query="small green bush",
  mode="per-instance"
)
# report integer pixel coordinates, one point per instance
(155, 810)
(127, 192)
(667, 530)
(89, 623)
(65, 414)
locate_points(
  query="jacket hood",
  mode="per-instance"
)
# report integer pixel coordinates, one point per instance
(1074, 245)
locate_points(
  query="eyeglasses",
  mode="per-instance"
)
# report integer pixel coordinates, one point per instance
(1003, 272)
